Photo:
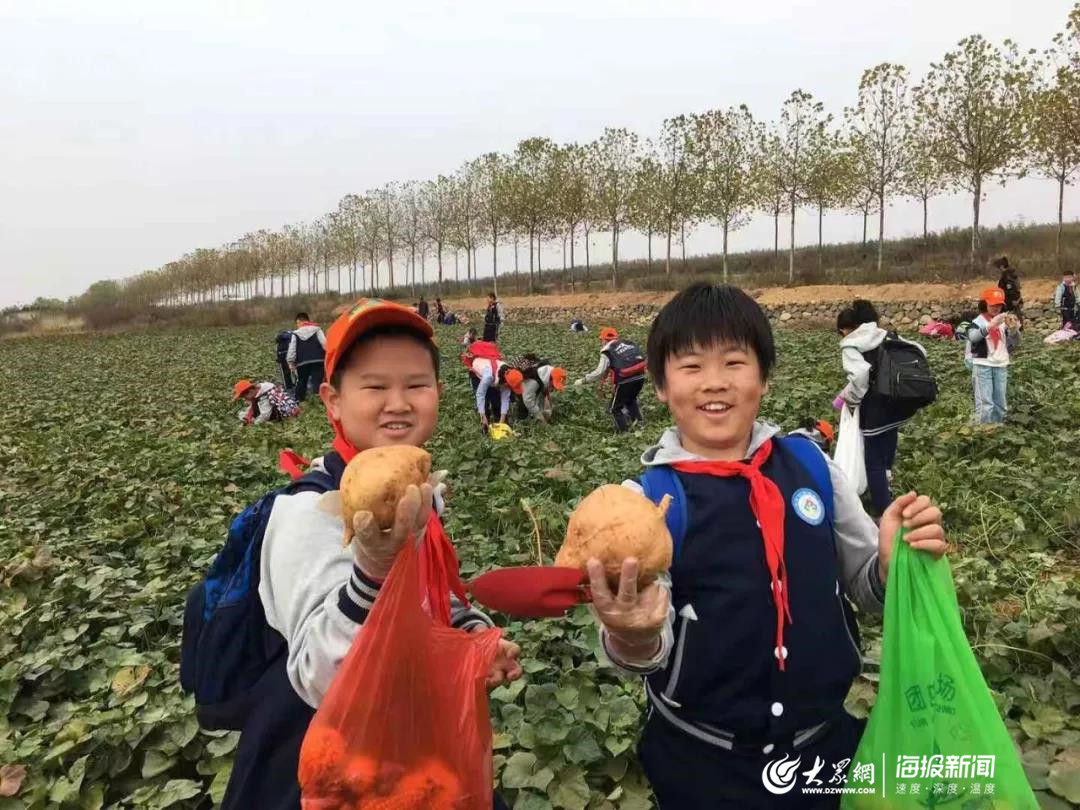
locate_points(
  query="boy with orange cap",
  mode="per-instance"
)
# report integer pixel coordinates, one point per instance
(382, 388)
(991, 341)
(266, 402)
(623, 360)
(533, 381)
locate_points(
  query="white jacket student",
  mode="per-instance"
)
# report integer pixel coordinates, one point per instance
(486, 372)
(877, 416)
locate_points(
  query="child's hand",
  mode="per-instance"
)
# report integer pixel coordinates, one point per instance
(375, 550)
(838, 403)
(634, 620)
(505, 668)
(921, 518)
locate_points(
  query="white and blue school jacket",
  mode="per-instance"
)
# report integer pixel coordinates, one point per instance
(716, 675)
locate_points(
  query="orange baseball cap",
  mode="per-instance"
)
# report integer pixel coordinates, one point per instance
(826, 430)
(365, 314)
(516, 380)
(241, 387)
(993, 296)
(558, 378)
(609, 333)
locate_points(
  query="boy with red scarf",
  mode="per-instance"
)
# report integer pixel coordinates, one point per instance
(749, 653)
(382, 389)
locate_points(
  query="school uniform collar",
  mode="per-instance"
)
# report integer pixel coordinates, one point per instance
(669, 449)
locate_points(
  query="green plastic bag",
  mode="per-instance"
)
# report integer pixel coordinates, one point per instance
(934, 736)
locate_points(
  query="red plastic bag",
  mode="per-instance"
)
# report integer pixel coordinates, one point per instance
(405, 724)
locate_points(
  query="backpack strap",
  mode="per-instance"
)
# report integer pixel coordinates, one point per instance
(811, 458)
(660, 480)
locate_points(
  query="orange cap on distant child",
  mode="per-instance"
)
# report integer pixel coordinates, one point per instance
(365, 314)
(558, 378)
(826, 430)
(241, 387)
(516, 380)
(609, 333)
(993, 296)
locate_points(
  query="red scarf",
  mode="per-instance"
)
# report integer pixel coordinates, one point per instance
(994, 333)
(767, 504)
(439, 568)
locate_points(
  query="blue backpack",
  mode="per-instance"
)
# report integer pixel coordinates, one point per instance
(662, 480)
(227, 644)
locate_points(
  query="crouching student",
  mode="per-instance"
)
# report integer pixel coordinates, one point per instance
(266, 402)
(624, 362)
(488, 378)
(775, 539)
(382, 389)
(534, 382)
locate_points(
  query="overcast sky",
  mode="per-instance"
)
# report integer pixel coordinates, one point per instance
(132, 132)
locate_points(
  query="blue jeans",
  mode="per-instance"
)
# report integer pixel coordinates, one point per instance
(990, 383)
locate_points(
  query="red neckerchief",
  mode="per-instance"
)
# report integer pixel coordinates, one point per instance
(994, 333)
(307, 323)
(439, 565)
(767, 504)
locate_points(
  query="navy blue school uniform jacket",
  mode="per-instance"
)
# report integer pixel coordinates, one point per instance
(716, 676)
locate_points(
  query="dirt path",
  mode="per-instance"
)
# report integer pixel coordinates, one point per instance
(1035, 290)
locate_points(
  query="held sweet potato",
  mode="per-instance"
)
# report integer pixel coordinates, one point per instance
(613, 523)
(376, 479)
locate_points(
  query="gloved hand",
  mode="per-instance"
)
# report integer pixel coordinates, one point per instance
(838, 403)
(375, 550)
(579, 382)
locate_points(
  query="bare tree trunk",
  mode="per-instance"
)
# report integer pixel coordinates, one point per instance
(516, 267)
(776, 232)
(881, 229)
(820, 229)
(438, 254)
(457, 269)
(975, 203)
(791, 252)
(865, 218)
(650, 248)
(614, 255)
(682, 243)
(413, 250)
(531, 262)
(1061, 207)
(667, 265)
(925, 206)
(339, 278)
(573, 234)
(725, 251)
(587, 266)
(495, 260)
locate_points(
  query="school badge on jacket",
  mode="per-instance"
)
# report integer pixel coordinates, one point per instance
(808, 506)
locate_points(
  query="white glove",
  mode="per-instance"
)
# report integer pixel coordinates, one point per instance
(375, 550)
(579, 382)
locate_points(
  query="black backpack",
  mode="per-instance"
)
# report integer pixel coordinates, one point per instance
(901, 373)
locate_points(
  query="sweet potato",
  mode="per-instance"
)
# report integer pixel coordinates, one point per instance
(613, 523)
(376, 479)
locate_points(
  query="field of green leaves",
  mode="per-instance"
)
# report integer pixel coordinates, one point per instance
(122, 461)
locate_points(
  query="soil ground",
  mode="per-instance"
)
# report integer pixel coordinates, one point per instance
(1035, 290)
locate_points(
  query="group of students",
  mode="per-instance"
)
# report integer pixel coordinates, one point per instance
(749, 681)
(532, 379)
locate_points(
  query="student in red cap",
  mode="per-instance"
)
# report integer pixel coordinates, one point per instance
(991, 340)
(624, 362)
(382, 388)
(266, 402)
(534, 380)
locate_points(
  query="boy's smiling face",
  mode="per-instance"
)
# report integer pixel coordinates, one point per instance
(388, 394)
(714, 394)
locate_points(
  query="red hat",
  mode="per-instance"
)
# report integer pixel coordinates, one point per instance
(516, 380)
(558, 378)
(241, 387)
(993, 296)
(826, 430)
(609, 333)
(365, 314)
